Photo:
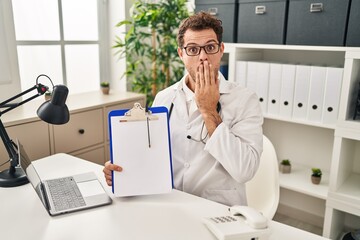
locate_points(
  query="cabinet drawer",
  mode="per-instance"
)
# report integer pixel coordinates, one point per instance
(107, 152)
(84, 129)
(96, 155)
(26, 133)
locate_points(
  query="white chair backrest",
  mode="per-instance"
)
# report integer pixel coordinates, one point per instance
(263, 190)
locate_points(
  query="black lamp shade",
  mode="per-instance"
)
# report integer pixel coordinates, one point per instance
(55, 110)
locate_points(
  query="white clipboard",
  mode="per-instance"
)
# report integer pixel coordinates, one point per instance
(140, 144)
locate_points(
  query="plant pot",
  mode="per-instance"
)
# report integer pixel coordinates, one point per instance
(47, 97)
(285, 168)
(105, 90)
(315, 180)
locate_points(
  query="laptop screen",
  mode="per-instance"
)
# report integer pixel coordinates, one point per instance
(27, 166)
(24, 159)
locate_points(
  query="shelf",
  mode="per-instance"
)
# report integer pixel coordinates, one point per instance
(299, 181)
(333, 147)
(292, 47)
(303, 122)
(348, 192)
(348, 129)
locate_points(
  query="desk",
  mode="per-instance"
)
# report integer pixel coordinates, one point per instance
(176, 215)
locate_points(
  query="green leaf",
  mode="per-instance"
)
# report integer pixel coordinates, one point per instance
(164, 18)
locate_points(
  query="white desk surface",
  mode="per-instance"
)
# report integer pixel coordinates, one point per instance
(176, 215)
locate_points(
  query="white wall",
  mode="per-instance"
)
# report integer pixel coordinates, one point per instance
(116, 10)
(9, 74)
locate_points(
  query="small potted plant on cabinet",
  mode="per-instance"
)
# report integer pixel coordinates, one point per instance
(316, 175)
(47, 95)
(285, 166)
(105, 87)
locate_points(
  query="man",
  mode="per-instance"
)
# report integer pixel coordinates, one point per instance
(216, 125)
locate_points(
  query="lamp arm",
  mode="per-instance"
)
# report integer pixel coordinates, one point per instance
(41, 89)
(12, 152)
(54, 111)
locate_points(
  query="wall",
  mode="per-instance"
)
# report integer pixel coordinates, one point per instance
(9, 75)
(117, 11)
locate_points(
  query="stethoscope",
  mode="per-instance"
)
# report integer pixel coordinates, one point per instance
(201, 139)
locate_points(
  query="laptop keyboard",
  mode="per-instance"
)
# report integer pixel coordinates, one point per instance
(65, 193)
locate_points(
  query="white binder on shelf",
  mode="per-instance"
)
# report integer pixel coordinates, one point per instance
(301, 94)
(251, 75)
(140, 144)
(241, 73)
(287, 90)
(333, 86)
(262, 84)
(316, 95)
(273, 103)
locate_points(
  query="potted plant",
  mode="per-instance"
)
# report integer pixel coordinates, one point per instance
(285, 166)
(150, 45)
(47, 95)
(105, 87)
(316, 175)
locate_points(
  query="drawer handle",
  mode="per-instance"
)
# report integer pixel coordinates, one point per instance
(213, 11)
(81, 131)
(316, 7)
(259, 10)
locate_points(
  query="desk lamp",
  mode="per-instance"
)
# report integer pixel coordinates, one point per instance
(53, 111)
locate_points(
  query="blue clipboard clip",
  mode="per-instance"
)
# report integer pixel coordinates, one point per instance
(138, 113)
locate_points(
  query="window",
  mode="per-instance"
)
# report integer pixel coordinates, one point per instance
(62, 39)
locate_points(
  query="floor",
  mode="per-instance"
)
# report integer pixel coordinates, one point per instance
(298, 224)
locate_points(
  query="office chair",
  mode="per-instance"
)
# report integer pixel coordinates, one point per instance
(263, 190)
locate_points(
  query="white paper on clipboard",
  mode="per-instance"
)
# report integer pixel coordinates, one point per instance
(140, 144)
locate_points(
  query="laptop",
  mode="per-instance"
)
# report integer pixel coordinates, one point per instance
(65, 194)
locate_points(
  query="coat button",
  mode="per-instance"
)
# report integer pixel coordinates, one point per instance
(187, 165)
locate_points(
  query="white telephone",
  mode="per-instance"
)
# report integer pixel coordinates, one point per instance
(243, 223)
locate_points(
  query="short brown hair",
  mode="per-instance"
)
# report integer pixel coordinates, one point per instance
(200, 21)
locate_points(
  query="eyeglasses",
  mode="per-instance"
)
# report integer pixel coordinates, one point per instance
(211, 48)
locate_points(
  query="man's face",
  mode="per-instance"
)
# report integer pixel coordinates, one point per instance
(200, 38)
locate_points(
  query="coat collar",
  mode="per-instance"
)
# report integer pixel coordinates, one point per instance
(225, 86)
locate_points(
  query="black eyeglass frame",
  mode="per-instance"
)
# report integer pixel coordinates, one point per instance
(202, 47)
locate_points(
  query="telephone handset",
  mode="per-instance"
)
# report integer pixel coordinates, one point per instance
(243, 223)
(252, 217)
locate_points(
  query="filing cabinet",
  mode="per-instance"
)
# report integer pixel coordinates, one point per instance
(83, 136)
(226, 11)
(83, 130)
(261, 21)
(93, 154)
(25, 134)
(317, 22)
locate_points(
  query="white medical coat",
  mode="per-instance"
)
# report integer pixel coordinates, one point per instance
(218, 169)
